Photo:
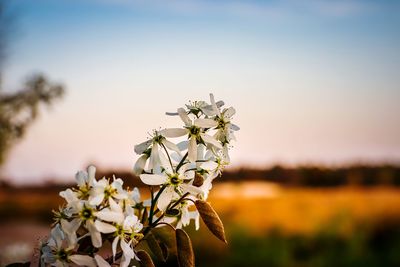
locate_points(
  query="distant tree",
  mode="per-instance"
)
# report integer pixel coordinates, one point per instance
(18, 110)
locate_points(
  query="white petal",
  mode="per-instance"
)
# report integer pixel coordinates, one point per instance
(192, 149)
(114, 206)
(154, 157)
(104, 227)
(214, 105)
(229, 112)
(101, 262)
(173, 132)
(127, 250)
(188, 175)
(91, 174)
(165, 198)
(68, 195)
(211, 140)
(94, 234)
(220, 103)
(183, 145)
(83, 260)
(185, 118)
(235, 127)
(171, 146)
(97, 196)
(110, 216)
(205, 123)
(140, 164)
(209, 165)
(195, 191)
(153, 179)
(140, 148)
(130, 221)
(114, 245)
(165, 163)
(176, 157)
(81, 178)
(200, 151)
(209, 111)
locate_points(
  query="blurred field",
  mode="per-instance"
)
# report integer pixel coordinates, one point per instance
(266, 224)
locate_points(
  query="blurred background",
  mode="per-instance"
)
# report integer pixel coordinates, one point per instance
(315, 174)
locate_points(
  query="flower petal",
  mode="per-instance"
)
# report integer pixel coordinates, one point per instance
(140, 148)
(229, 112)
(101, 262)
(104, 228)
(81, 178)
(127, 250)
(171, 146)
(153, 179)
(114, 245)
(185, 118)
(94, 234)
(140, 164)
(154, 157)
(195, 191)
(165, 198)
(192, 149)
(234, 127)
(211, 140)
(205, 123)
(83, 260)
(214, 105)
(110, 216)
(173, 132)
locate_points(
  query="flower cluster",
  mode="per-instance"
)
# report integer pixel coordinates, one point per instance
(177, 164)
(95, 210)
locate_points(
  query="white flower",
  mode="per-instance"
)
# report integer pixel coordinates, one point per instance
(225, 129)
(104, 190)
(173, 182)
(85, 181)
(140, 164)
(196, 133)
(157, 142)
(57, 253)
(86, 215)
(125, 230)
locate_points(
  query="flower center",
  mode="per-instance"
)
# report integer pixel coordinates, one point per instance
(194, 130)
(62, 255)
(86, 213)
(109, 191)
(174, 180)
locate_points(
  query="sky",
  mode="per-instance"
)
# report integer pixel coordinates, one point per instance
(313, 82)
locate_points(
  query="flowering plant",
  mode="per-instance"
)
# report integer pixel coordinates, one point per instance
(100, 215)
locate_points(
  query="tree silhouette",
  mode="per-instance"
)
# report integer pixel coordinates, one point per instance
(18, 110)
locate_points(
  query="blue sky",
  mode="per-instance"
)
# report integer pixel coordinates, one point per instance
(313, 81)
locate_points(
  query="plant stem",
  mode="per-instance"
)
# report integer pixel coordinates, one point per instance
(153, 203)
(169, 158)
(181, 162)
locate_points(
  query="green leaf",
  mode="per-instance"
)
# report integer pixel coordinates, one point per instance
(154, 246)
(211, 219)
(184, 249)
(145, 259)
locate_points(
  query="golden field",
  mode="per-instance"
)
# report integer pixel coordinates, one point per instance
(248, 210)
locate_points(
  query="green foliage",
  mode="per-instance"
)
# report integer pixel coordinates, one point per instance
(19, 110)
